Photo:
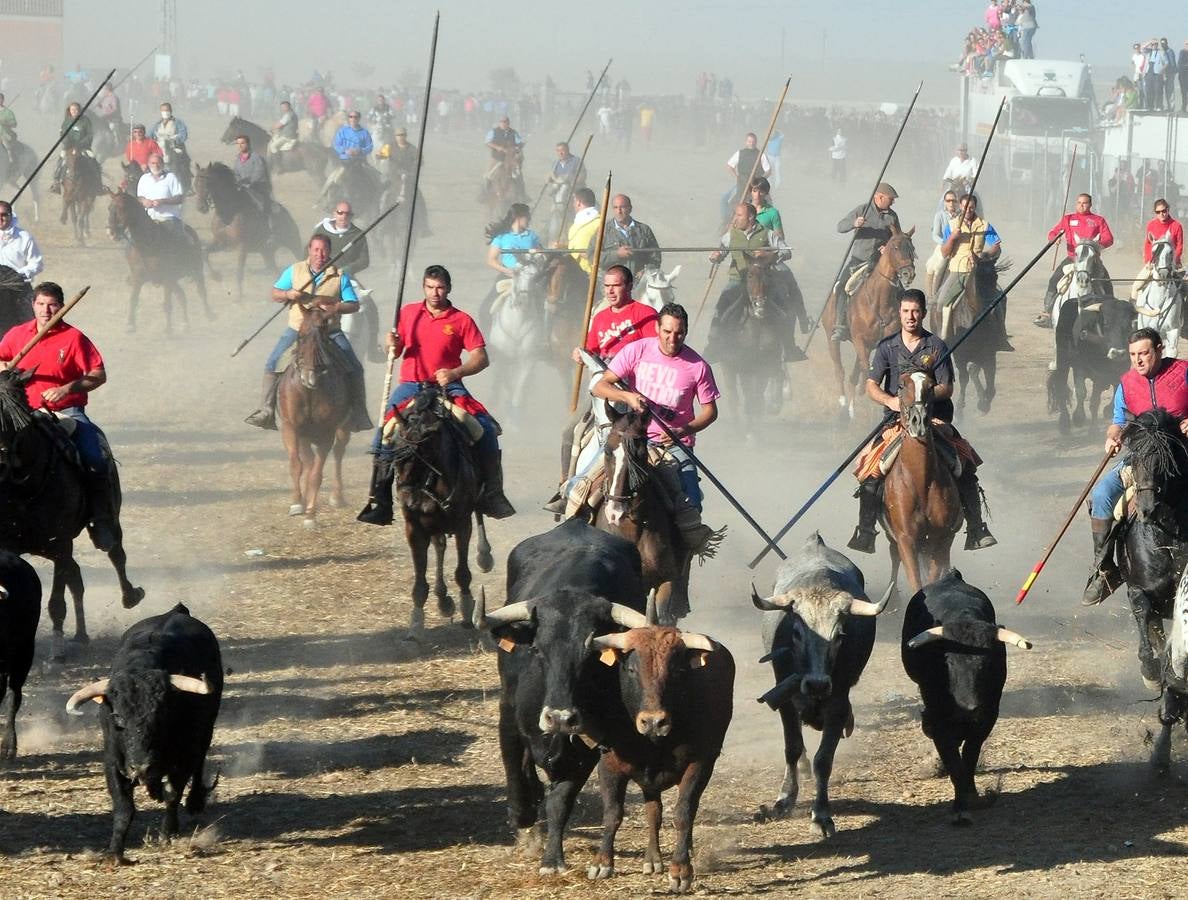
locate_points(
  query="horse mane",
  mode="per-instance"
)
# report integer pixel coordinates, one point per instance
(1154, 437)
(15, 412)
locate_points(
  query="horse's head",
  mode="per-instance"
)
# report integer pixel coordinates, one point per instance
(658, 287)
(524, 280)
(1163, 258)
(1086, 265)
(758, 280)
(15, 416)
(915, 403)
(234, 129)
(899, 257)
(626, 460)
(311, 354)
(121, 209)
(1158, 460)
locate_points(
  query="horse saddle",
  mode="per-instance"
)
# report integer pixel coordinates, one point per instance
(336, 359)
(1125, 507)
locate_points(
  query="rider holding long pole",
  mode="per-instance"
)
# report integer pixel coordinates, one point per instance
(1082, 225)
(872, 224)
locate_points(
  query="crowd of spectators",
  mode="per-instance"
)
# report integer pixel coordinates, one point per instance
(1009, 33)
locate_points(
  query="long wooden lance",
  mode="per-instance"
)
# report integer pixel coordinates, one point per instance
(986, 149)
(775, 115)
(591, 290)
(47, 327)
(412, 211)
(61, 137)
(577, 124)
(335, 258)
(1072, 514)
(890, 417)
(568, 194)
(870, 200)
(1064, 208)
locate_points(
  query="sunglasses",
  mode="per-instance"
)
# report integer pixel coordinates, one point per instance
(1160, 212)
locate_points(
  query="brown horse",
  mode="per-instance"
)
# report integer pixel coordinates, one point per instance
(439, 487)
(921, 509)
(752, 346)
(504, 184)
(157, 253)
(314, 414)
(239, 224)
(977, 359)
(873, 312)
(82, 182)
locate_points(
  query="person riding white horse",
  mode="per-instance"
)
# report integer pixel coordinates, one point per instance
(1158, 288)
(1078, 227)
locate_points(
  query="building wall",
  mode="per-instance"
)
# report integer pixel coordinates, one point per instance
(32, 37)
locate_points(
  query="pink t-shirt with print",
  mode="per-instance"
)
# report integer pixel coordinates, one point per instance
(670, 382)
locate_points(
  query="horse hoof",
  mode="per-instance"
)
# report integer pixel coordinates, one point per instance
(57, 648)
(337, 501)
(296, 509)
(445, 606)
(485, 561)
(132, 597)
(309, 523)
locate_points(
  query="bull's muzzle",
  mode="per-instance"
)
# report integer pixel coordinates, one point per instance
(560, 721)
(816, 685)
(653, 725)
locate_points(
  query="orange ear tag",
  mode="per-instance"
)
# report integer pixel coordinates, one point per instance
(608, 657)
(507, 645)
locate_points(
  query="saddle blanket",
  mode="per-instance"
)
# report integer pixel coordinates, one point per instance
(876, 460)
(464, 410)
(856, 279)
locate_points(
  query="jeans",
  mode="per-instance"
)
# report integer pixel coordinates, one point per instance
(488, 444)
(1106, 493)
(1026, 35)
(289, 337)
(88, 438)
(691, 485)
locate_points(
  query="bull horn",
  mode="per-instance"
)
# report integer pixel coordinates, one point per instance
(863, 607)
(505, 615)
(1010, 637)
(694, 641)
(3, 592)
(768, 604)
(190, 685)
(926, 637)
(651, 614)
(82, 695)
(628, 617)
(617, 641)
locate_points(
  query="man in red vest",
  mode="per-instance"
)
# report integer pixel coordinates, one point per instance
(1152, 382)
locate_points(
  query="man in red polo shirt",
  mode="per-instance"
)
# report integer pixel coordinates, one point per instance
(1164, 224)
(66, 367)
(1082, 225)
(432, 336)
(140, 148)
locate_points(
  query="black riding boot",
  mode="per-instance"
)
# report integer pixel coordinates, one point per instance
(1105, 578)
(494, 504)
(868, 513)
(977, 535)
(265, 416)
(102, 527)
(360, 419)
(378, 510)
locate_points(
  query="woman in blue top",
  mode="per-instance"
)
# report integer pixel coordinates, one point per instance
(509, 233)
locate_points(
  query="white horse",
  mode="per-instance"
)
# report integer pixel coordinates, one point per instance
(657, 287)
(1157, 295)
(1087, 267)
(517, 335)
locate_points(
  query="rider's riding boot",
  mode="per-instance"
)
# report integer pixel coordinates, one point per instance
(929, 283)
(868, 513)
(1105, 578)
(841, 318)
(977, 535)
(1049, 303)
(360, 418)
(946, 315)
(103, 523)
(265, 416)
(56, 186)
(558, 503)
(378, 510)
(494, 504)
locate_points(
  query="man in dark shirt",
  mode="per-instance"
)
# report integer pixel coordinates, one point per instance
(915, 349)
(874, 223)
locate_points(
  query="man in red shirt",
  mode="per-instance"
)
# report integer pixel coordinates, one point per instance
(1081, 225)
(1164, 224)
(431, 336)
(66, 367)
(140, 148)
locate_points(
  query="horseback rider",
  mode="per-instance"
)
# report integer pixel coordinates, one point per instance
(961, 171)
(670, 375)
(1082, 225)
(79, 134)
(18, 249)
(874, 224)
(65, 367)
(502, 140)
(140, 148)
(1153, 381)
(937, 266)
(747, 242)
(8, 134)
(161, 194)
(628, 241)
(107, 111)
(968, 239)
(583, 231)
(284, 132)
(512, 232)
(348, 238)
(431, 337)
(352, 144)
(402, 160)
(915, 349)
(620, 322)
(567, 175)
(1163, 225)
(380, 118)
(171, 133)
(307, 282)
(769, 217)
(251, 174)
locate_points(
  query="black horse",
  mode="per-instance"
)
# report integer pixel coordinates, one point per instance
(45, 502)
(976, 360)
(1091, 341)
(1154, 543)
(438, 486)
(16, 299)
(14, 171)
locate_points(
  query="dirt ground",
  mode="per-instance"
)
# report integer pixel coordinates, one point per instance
(357, 762)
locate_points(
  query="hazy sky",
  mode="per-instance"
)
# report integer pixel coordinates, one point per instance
(658, 45)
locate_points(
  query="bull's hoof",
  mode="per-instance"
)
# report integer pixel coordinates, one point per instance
(529, 840)
(598, 871)
(1151, 672)
(822, 826)
(1078, 418)
(467, 620)
(114, 860)
(8, 752)
(80, 639)
(680, 879)
(337, 501)
(558, 869)
(416, 624)
(962, 819)
(1161, 754)
(132, 598)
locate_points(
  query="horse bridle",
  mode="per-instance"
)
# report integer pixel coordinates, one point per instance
(409, 449)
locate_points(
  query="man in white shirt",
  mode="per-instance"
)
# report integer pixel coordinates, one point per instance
(961, 171)
(161, 193)
(837, 153)
(18, 250)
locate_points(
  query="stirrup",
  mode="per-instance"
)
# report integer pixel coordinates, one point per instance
(980, 539)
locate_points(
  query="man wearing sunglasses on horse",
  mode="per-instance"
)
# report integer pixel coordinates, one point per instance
(1163, 224)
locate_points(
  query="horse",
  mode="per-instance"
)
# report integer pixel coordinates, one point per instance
(391, 234)
(306, 156)
(976, 361)
(438, 486)
(14, 171)
(45, 498)
(751, 346)
(109, 139)
(656, 288)
(516, 335)
(82, 182)
(1158, 297)
(1092, 333)
(16, 299)
(157, 253)
(873, 311)
(636, 508)
(504, 184)
(313, 404)
(362, 186)
(565, 303)
(239, 223)
(1154, 544)
(921, 511)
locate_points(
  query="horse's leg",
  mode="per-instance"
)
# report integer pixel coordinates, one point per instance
(167, 303)
(313, 481)
(445, 603)
(911, 562)
(1080, 392)
(418, 546)
(963, 383)
(839, 371)
(133, 302)
(56, 607)
(1146, 618)
(72, 578)
(483, 557)
(341, 439)
(462, 577)
(292, 444)
(989, 373)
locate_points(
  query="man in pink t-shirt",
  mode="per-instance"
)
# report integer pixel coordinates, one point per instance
(670, 376)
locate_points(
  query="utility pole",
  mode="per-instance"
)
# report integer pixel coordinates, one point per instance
(169, 28)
